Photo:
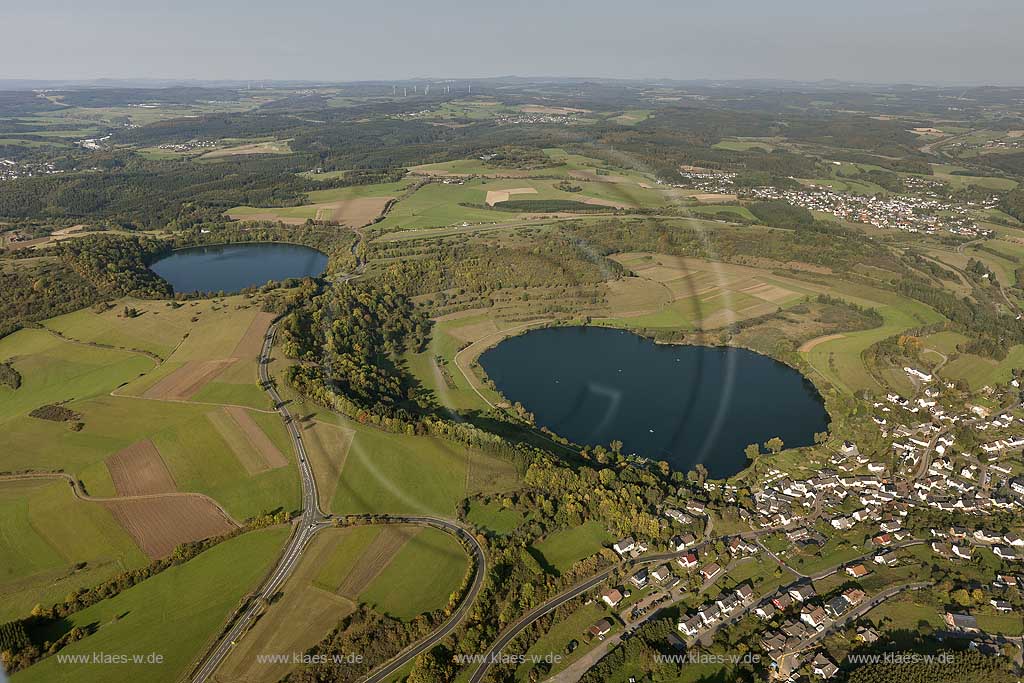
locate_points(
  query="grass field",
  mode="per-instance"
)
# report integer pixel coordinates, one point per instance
(562, 549)
(354, 206)
(494, 517)
(945, 173)
(839, 360)
(44, 533)
(979, 372)
(401, 474)
(54, 370)
(447, 337)
(173, 614)
(554, 642)
(400, 591)
(303, 616)
(198, 458)
(680, 293)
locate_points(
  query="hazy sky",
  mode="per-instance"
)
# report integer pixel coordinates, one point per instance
(958, 41)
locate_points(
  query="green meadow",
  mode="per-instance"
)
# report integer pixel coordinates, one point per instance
(397, 474)
(562, 549)
(400, 590)
(174, 614)
(53, 543)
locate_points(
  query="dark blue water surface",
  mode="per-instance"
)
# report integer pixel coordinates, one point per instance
(683, 404)
(233, 267)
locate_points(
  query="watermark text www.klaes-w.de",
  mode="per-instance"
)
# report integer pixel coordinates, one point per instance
(708, 658)
(506, 658)
(109, 658)
(340, 659)
(900, 658)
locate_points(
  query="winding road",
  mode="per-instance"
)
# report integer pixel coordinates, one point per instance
(312, 520)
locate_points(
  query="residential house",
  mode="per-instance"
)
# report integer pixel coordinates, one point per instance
(600, 628)
(624, 546)
(612, 597)
(711, 571)
(824, 667)
(962, 622)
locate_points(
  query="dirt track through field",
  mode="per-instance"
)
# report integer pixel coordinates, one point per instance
(138, 470)
(186, 381)
(376, 559)
(253, 448)
(158, 525)
(811, 343)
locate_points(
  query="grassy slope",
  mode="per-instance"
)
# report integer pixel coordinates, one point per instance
(401, 474)
(44, 532)
(494, 517)
(562, 548)
(173, 614)
(53, 370)
(400, 590)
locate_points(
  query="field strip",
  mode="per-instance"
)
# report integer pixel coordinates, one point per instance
(189, 379)
(139, 469)
(498, 196)
(251, 343)
(478, 347)
(82, 495)
(376, 558)
(159, 526)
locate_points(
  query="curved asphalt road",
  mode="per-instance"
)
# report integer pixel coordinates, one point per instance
(312, 521)
(408, 654)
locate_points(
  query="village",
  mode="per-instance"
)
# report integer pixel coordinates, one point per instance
(925, 212)
(11, 169)
(846, 540)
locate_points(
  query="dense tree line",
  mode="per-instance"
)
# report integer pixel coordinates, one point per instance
(355, 333)
(976, 318)
(820, 243)
(781, 214)
(52, 620)
(1013, 203)
(157, 194)
(953, 667)
(376, 637)
(116, 265)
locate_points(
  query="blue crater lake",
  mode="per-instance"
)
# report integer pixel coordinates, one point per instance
(683, 404)
(233, 267)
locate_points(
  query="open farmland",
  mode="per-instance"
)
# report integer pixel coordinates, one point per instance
(251, 446)
(54, 370)
(265, 147)
(399, 591)
(562, 549)
(396, 474)
(45, 533)
(174, 613)
(139, 470)
(350, 206)
(159, 524)
(693, 294)
(300, 619)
